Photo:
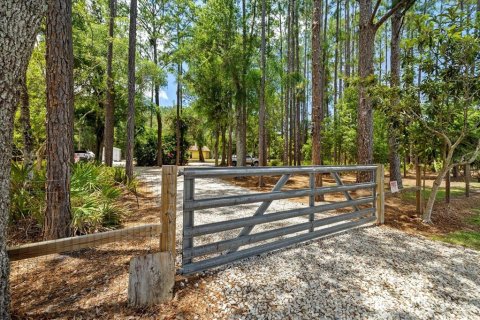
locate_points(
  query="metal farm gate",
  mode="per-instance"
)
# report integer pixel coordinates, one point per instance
(242, 243)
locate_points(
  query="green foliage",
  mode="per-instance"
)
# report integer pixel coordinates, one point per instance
(95, 193)
(170, 150)
(146, 150)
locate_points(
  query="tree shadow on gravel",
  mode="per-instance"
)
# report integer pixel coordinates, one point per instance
(336, 266)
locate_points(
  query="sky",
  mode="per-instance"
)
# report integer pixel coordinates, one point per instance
(168, 94)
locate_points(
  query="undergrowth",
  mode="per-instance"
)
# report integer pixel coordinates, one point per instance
(95, 192)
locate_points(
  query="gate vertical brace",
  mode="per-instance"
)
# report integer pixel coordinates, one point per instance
(188, 216)
(312, 199)
(380, 195)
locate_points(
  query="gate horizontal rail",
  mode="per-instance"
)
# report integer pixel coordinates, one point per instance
(269, 196)
(199, 258)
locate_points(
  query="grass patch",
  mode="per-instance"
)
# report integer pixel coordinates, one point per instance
(454, 192)
(469, 239)
(475, 220)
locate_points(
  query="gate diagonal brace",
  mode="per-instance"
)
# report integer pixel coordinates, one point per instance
(340, 183)
(263, 207)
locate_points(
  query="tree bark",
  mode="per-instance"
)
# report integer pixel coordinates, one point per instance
(158, 111)
(110, 103)
(240, 106)
(394, 121)
(217, 138)
(177, 120)
(229, 150)
(317, 90)
(159, 138)
(59, 56)
(347, 40)
(132, 41)
(223, 163)
(17, 39)
(366, 73)
(261, 123)
(368, 29)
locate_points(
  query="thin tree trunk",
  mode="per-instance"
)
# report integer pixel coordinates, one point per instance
(59, 56)
(159, 137)
(132, 42)
(177, 121)
(261, 122)
(223, 163)
(347, 40)
(297, 150)
(317, 90)
(323, 80)
(241, 107)
(17, 39)
(26, 125)
(110, 103)
(230, 145)
(217, 138)
(337, 33)
(158, 110)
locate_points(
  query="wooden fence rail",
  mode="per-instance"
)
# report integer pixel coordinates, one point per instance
(33, 250)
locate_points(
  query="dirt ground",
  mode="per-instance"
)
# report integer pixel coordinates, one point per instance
(90, 284)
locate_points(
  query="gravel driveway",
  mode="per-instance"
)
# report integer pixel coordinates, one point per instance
(367, 273)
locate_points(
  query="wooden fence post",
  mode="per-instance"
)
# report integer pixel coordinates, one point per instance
(169, 209)
(152, 277)
(380, 205)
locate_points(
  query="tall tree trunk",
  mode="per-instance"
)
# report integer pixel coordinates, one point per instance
(241, 105)
(158, 110)
(159, 137)
(224, 147)
(366, 72)
(317, 90)
(177, 120)
(368, 29)
(261, 123)
(323, 80)
(26, 125)
(59, 56)
(394, 123)
(297, 150)
(337, 42)
(110, 103)
(230, 147)
(286, 114)
(335, 77)
(132, 42)
(347, 40)
(217, 138)
(17, 39)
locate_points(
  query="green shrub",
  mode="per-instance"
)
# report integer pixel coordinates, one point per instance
(94, 194)
(274, 163)
(146, 151)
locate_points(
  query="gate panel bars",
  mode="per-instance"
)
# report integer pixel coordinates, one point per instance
(198, 258)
